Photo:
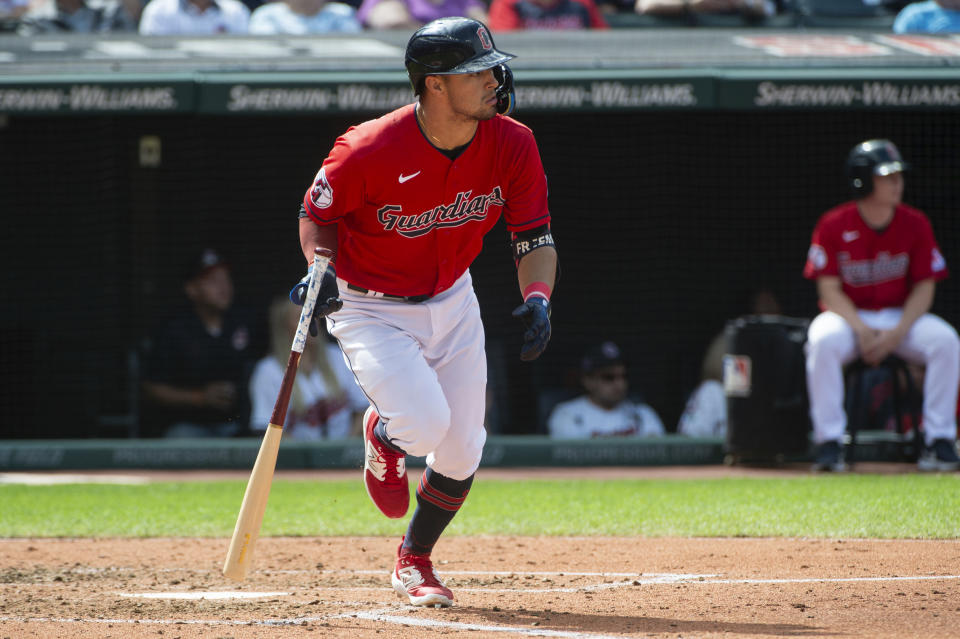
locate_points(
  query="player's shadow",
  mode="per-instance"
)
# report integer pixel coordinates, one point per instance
(607, 623)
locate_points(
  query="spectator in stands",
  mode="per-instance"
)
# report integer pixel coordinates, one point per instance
(413, 14)
(933, 16)
(674, 7)
(13, 9)
(198, 365)
(876, 262)
(610, 7)
(326, 402)
(77, 16)
(299, 17)
(605, 410)
(194, 17)
(506, 15)
(705, 413)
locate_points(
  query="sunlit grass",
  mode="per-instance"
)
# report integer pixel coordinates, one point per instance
(898, 506)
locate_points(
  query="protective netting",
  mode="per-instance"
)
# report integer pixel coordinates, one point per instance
(665, 222)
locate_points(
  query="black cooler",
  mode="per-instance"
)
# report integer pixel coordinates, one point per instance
(765, 384)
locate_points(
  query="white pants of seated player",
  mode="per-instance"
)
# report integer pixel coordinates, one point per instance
(424, 369)
(832, 344)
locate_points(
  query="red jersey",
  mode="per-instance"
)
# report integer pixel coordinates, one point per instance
(878, 269)
(410, 219)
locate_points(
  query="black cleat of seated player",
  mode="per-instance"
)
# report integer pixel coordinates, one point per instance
(830, 458)
(940, 456)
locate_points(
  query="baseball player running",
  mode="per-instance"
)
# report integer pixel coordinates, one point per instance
(876, 262)
(405, 201)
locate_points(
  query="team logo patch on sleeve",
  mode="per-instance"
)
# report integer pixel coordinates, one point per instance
(938, 264)
(322, 193)
(817, 256)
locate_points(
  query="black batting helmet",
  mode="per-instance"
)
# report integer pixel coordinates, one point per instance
(873, 157)
(449, 46)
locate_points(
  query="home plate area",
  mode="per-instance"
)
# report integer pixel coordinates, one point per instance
(504, 586)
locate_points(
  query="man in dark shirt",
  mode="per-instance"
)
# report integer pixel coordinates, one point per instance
(198, 366)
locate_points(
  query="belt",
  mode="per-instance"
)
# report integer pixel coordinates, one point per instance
(412, 299)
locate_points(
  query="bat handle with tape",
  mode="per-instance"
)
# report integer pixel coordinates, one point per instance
(321, 259)
(240, 553)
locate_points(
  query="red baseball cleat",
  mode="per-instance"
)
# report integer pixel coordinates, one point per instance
(417, 582)
(384, 472)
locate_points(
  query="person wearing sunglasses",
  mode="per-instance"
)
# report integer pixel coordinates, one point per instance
(606, 408)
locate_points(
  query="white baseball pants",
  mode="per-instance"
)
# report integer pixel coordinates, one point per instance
(424, 369)
(831, 344)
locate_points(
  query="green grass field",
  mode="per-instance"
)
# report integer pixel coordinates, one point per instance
(871, 506)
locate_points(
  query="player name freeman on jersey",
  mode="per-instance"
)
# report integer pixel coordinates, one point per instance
(462, 210)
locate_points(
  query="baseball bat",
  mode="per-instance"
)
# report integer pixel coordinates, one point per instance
(240, 553)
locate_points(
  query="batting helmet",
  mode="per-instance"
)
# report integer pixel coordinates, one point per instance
(873, 157)
(450, 46)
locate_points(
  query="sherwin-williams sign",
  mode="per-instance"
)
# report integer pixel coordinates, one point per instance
(830, 93)
(537, 92)
(97, 97)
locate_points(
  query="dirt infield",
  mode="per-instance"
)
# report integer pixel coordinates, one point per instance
(505, 587)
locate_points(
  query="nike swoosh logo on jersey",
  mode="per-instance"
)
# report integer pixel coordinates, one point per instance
(849, 236)
(403, 178)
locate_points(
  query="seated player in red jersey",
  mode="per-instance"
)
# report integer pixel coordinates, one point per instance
(876, 263)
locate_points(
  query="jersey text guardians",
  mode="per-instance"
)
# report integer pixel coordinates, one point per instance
(461, 211)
